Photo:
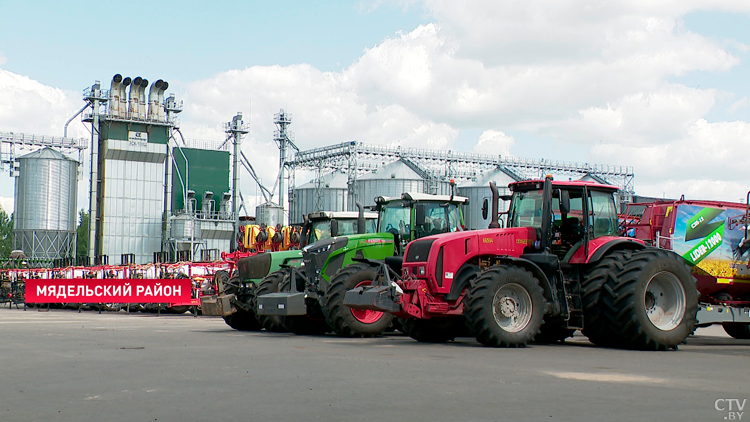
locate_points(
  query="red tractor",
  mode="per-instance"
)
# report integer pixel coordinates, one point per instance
(559, 265)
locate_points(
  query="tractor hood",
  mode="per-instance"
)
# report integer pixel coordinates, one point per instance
(440, 256)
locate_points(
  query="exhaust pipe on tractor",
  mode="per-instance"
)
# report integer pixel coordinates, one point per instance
(494, 222)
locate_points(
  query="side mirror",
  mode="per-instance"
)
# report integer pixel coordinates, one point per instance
(564, 202)
(334, 228)
(485, 208)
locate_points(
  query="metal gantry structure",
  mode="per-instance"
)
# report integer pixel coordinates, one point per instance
(12, 144)
(356, 158)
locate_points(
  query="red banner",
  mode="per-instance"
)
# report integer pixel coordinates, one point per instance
(108, 290)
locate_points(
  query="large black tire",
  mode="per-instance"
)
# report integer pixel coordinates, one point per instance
(737, 330)
(181, 309)
(271, 284)
(348, 322)
(505, 306)
(553, 331)
(435, 330)
(595, 325)
(306, 325)
(243, 320)
(221, 277)
(651, 302)
(312, 324)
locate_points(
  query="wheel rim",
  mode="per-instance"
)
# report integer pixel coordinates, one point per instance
(512, 307)
(664, 300)
(366, 316)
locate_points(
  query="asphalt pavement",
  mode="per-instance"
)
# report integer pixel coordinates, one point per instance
(61, 365)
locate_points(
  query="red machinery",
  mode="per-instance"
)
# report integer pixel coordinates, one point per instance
(712, 236)
(560, 262)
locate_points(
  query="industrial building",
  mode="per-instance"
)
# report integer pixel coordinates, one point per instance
(353, 171)
(156, 197)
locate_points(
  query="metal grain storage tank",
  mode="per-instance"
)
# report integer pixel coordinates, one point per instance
(334, 196)
(44, 224)
(391, 180)
(479, 189)
(269, 213)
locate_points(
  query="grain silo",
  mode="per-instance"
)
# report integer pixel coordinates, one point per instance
(390, 180)
(44, 220)
(269, 213)
(479, 189)
(329, 193)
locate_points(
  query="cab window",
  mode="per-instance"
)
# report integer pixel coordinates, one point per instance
(603, 215)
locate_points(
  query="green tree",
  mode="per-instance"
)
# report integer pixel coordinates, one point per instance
(6, 233)
(82, 247)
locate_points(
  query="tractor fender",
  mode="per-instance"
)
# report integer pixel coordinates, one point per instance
(535, 270)
(463, 277)
(613, 245)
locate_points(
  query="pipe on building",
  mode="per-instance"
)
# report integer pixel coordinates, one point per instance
(114, 95)
(124, 97)
(142, 99)
(135, 90)
(162, 113)
(153, 100)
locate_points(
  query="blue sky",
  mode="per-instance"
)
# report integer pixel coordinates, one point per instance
(660, 86)
(66, 44)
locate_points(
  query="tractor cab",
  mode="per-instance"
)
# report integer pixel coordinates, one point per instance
(416, 215)
(326, 224)
(575, 214)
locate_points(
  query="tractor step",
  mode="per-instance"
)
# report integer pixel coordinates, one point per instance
(379, 298)
(285, 304)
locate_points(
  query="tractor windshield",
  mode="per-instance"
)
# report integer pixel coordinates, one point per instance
(428, 218)
(394, 218)
(526, 209)
(321, 229)
(434, 218)
(349, 226)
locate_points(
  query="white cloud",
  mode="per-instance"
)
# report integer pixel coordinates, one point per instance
(494, 142)
(29, 106)
(593, 77)
(3, 59)
(7, 204)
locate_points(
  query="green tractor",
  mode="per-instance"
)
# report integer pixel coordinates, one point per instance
(235, 293)
(309, 299)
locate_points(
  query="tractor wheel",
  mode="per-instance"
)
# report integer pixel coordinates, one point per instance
(595, 325)
(271, 284)
(737, 330)
(435, 330)
(651, 302)
(242, 319)
(312, 324)
(305, 325)
(221, 277)
(181, 309)
(348, 322)
(505, 307)
(553, 331)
